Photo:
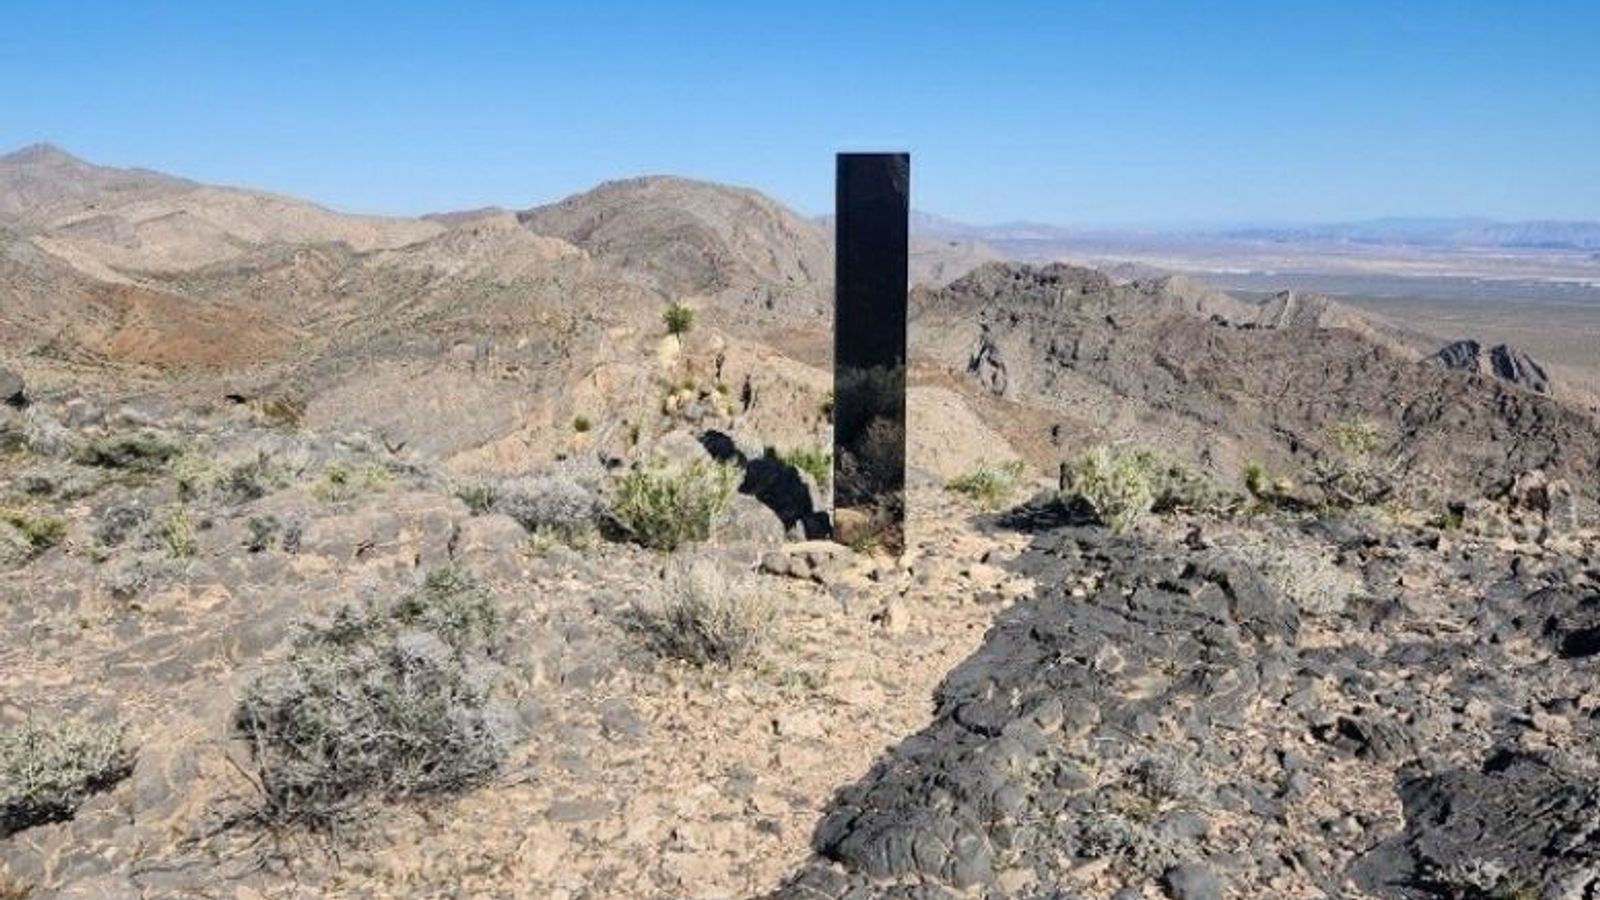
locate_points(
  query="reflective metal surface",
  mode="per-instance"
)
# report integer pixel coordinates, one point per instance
(869, 428)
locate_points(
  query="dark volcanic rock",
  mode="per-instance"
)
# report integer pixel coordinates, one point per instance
(1060, 684)
(1501, 361)
(1520, 826)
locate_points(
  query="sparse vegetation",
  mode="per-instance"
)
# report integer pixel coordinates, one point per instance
(178, 533)
(119, 523)
(47, 770)
(705, 616)
(990, 486)
(1355, 472)
(479, 494)
(582, 424)
(1114, 485)
(826, 407)
(341, 483)
(384, 701)
(678, 318)
(259, 532)
(1313, 582)
(814, 461)
(253, 479)
(143, 451)
(1121, 486)
(552, 507)
(41, 532)
(666, 507)
(282, 411)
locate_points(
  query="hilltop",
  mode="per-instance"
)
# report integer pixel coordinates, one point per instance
(367, 556)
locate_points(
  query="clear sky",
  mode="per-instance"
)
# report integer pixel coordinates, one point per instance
(1117, 112)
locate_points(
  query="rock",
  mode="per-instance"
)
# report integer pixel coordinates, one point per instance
(13, 390)
(1523, 812)
(1501, 361)
(1191, 881)
(748, 519)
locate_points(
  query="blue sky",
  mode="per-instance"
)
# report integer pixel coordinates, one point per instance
(1109, 113)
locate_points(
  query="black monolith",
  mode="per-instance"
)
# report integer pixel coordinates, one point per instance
(869, 344)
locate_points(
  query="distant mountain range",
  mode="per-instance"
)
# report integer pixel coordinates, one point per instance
(1416, 232)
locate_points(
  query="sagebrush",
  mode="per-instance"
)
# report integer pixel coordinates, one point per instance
(47, 770)
(705, 615)
(553, 506)
(386, 700)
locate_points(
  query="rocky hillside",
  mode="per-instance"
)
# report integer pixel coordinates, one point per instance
(1224, 384)
(358, 557)
(733, 247)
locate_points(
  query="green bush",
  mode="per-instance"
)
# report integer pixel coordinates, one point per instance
(666, 507)
(479, 494)
(990, 486)
(704, 616)
(144, 451)
(1356, 472)
(582, 424)
(813, 461)
(41, 532)
(253, 479)
(178, 533)
(1114, 485)
(385, 700)
(47, 770)
(678, 319)
(340, 483)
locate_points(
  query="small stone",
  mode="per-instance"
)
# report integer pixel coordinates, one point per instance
(1192, 881)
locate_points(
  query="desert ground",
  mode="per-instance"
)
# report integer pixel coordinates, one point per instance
(484, 554)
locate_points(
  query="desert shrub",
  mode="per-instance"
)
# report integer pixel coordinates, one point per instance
(666, 507)
(129, 579)
(1114, 485)
(36, 432)
(47, 770)
(552, 506)
(252, 479)
(178, 533)
(582, 424)
(143, 451)
(1314, 583)
(826, 406)
(678, 319)
(40, 532)
(196, 475)
(340, 483)
(282, 411)
(990, 486)
(1106, 834)
(385, 700)
(259, 532)
(1121, 486)
(705, 616)
(814, 461)
(119, 523)
(479, 494)
(1356, 472)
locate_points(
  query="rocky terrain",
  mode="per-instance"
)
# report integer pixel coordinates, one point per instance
(478, 555)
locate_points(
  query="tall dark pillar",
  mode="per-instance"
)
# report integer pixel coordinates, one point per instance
(873, 207)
